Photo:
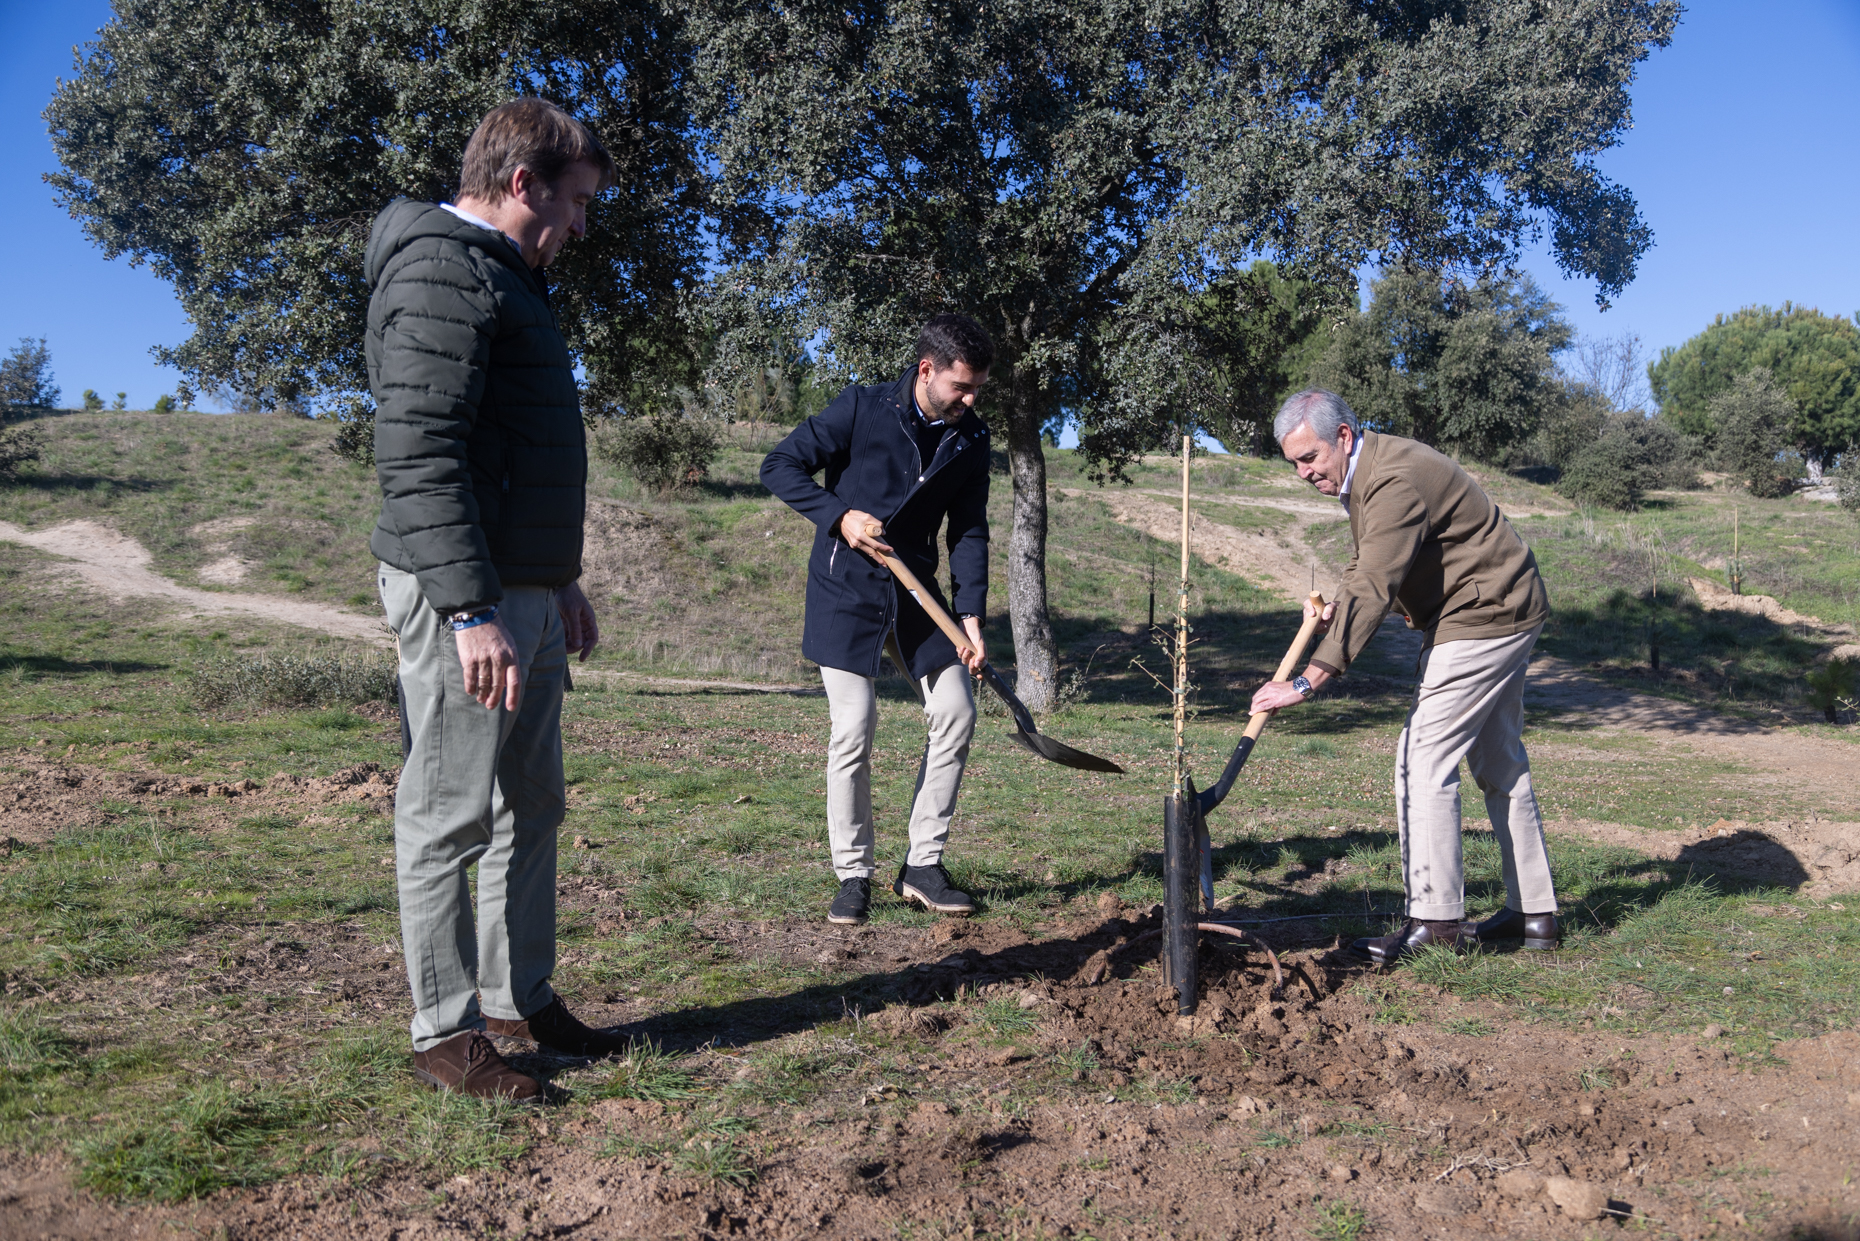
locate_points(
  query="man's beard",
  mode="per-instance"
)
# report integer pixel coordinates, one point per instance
(947, 412)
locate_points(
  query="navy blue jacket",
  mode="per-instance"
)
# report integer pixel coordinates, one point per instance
(864, 442)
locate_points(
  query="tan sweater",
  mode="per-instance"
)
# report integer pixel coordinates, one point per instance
(1431, 543)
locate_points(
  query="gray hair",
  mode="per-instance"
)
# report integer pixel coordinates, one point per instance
(1322, 411)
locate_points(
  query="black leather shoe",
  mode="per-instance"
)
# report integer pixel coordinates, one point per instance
(850, 906)
(1538, 931)
(559, 1030)
(1413, 936)
(930, 887)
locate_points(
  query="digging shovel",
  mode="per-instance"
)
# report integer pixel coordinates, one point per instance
(1024, 730)
(1212, 797)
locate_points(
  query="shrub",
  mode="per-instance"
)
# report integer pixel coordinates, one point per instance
(662, 451)
(1608, 473)
(92, 402)
(1751, 418)
(1847, 488)
(164, 404)
(1832, 687)
(18, 445)
(1572, 424)
(355, 437)
(295, 680)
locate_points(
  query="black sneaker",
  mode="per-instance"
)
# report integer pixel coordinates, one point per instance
(930, 887)
(849, 907)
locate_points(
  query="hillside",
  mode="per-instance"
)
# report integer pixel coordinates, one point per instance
(710, 581)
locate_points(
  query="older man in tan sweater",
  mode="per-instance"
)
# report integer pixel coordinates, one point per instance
(1430, 543)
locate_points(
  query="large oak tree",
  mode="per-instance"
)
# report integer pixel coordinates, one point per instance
(242, 148)
(1079, 174)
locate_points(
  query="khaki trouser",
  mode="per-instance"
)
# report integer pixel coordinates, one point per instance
(852, 701)
(1469, 704)
(480, 785)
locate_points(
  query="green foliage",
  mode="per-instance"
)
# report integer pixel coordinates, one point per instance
(355, 437)
(294, 680)
(1340, 1221)
(1752, 418)
(1624, 453)
(1263, 332)
(1814, 359)
(26, 379)
(92, 402)
(663, 451)
(121, 402)
(1462, 367)
(243, 153)
(165, 404)
(1847, 486)
(1569, 426)
(1004, 1015)
(18, 445)
(1832, 687)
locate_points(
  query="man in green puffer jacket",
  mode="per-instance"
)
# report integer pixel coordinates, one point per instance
(480, 451)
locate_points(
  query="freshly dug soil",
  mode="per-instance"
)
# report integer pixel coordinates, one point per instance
(1267, 1115)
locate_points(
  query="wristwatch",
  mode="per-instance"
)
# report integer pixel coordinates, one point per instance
(1303, 685)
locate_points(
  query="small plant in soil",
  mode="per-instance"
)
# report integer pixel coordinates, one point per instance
(1006, 1017)
(647, 1072)
(1339, 1221)
(1470, 1027)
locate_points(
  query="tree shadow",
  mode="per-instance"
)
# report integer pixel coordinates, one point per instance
(89, 482)
(54, 666)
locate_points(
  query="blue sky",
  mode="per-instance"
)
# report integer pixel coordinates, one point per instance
(1744, 157)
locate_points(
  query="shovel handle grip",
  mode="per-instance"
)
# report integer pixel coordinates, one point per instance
(944, 621)
(1257, 724)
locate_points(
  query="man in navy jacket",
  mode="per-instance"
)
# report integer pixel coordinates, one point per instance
(899, 457)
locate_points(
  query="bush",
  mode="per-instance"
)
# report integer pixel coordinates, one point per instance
(295, 680)
(1604, 474)
(1832, 687)
(92, 402)
(662, 451)
(1751, 419)
(1572, 424)
(1847, 484)
(164, 404)
(355, 437)
(18, 445)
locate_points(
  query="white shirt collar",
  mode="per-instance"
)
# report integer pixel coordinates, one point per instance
(469, 218)
(1349, 475)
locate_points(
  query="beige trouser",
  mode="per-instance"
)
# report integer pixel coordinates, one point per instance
(852, 702)
(1469, 704)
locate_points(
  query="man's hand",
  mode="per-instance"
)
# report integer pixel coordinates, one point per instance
(1275, 695)
(853, 528)
(1330, 610)
(489, 660)
(578, 624)
(972, 659)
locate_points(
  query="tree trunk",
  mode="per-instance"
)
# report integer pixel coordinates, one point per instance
(1036, 655)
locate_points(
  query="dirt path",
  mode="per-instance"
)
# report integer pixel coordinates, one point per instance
(118, 566)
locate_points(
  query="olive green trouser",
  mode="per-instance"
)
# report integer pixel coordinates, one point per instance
(480, 785)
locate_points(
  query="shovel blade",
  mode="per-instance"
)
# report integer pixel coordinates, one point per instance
(1063, 754)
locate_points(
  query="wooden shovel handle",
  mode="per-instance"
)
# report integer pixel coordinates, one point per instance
(1257, 724)
(950, 628)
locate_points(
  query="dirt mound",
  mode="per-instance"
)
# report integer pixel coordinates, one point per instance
(41, 797)
(1818, 857)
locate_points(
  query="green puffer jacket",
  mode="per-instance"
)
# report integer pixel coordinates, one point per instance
(479, 444)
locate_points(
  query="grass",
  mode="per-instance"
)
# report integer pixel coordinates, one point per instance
(709, 801)
(1339, 1221)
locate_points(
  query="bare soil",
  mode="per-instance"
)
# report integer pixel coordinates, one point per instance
(1291, 1102)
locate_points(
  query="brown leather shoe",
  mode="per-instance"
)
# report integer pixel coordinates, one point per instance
(468, 1064)
(1413, 936)
(558, 1029)
(1538, 931)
